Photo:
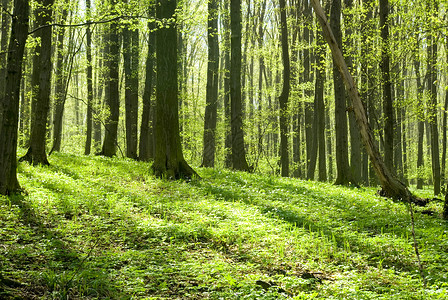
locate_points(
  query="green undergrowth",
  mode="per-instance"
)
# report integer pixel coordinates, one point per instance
(97, 228)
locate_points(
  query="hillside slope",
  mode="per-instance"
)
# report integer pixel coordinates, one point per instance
(97, 228)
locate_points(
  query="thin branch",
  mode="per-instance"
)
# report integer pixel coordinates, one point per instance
(90, 22)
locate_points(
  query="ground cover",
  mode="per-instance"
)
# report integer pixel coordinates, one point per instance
(98, 228)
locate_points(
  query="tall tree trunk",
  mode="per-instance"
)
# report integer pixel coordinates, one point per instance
(112, 91)
(432, 105)
(60, 88)
(319, 113)
(444, 121)
(344, 176)
(40, 106)
(146, 145)
(238, 152)
(284, 96)
(310, 136)
(355, 143)
(211, 105)
(169, 161)
(5, 8)
(130, 63)
(420, 122)
(89, 82)
(261, 70)
(99, 95)
(9, 102)
(391, 186)
(227, 108)
(388, 110)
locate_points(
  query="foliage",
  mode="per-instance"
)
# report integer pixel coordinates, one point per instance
(98, 228)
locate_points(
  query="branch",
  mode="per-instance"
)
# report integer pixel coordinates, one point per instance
(90, 22)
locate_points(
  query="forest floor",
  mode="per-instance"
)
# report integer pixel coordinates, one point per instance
(97, 228)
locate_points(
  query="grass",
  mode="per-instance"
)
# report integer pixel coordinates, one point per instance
(97, 228)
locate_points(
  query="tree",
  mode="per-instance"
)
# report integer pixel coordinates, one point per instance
(169, 161)
(89, 82)
(42, 70)
(146, 145)
(344, 176)
(211, 105)
(9, 102)
(392, 187)
(5, 7)
(283, 99)
(61, 83)
(130, 62)
(432, 105)
(238, 152)
(388, 110)
(112, 91)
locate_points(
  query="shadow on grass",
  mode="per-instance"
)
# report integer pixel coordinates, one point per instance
(46, 264)
(355, 229)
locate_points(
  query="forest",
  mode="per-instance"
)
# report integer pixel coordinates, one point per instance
(255, 149)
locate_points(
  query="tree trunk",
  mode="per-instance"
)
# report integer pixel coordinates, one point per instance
(211, 105)
(444, 121)
(420, 122)
(355, 143)
(283, 99)
(227, 108)
(344, 176)
(130, 63)
(391, 186)
(388, 110)
(9, 103)
(432, 105)
(310, 135)
(238, 152)
(4, 42)
(445, 206)
(89, 83)
(261, 70)
(146, 146)
(40, 106)
(319, 112)
(112, 91)
(169, 161)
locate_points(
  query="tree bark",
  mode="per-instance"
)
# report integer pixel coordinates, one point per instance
(146, 145)
(391, 186)
(130, 62)
(60, 87)
(238, 152)
(284, 96)
(112, 102)
(40, 106)
(227, 104)
(9, 102)
(420, 122)
(89, 83)
(169, 161)
(444, 133)
(319, 113)
(6, 21)
(432, 105)
(388, 110)
(211, 103)
(344, 176)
